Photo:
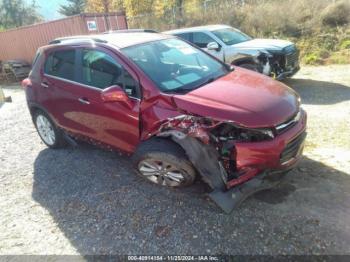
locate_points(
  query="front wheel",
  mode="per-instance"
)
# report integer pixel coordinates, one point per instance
(163, 162)
(47, 130)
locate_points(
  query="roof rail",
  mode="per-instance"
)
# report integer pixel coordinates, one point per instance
(62, 39)
(131, 31)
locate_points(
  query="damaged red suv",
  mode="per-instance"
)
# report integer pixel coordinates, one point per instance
(176, 110)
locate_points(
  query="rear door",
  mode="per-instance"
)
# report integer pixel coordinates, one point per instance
(58, 72)
(81, 109)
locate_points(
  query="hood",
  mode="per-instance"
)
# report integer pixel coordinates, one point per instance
(267, 44)
(244, 97)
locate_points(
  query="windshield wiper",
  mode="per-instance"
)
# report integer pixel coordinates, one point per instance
(209, 80)
(178, 90)
(229, 67)
(188, 89)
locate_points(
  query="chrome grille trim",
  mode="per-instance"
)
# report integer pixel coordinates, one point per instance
(288, 124)
(292, 59)
(293, 148)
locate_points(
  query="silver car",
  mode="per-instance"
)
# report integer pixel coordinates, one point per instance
(272, 57)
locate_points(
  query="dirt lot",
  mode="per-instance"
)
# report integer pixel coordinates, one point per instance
(87, 201)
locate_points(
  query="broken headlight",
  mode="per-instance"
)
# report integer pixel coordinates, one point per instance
(254, 135)
(227, 132)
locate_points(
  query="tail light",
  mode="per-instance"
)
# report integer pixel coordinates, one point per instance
(26, 82)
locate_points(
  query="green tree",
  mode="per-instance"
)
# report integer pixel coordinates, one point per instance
(74, 7)
(15, 13)
(137, 7)
(103, 6)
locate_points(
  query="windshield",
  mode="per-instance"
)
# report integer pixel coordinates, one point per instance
(174, 66)
(231, 36)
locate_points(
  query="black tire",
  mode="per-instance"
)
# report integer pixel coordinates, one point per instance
(167, 155)
(250, 66)
(59, 140)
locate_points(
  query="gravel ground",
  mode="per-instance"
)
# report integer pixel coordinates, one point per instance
(87, 201)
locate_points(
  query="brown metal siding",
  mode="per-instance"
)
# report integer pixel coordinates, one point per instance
(22, 43)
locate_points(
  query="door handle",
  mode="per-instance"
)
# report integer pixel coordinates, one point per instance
(84, 100)
(44, 84)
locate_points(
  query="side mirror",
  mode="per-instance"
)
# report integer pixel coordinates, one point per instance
(213, 46)
(115, 94)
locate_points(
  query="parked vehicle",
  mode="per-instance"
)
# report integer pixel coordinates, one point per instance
(272, 57)
(177, 110)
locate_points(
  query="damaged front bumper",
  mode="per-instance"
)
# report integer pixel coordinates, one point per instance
(255, 163)
(287, 74)
(262, 165)
(232, 198)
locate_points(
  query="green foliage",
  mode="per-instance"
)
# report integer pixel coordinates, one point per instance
(297, 20)
(74, 7)
(319, 27)
(345, 44)
(340, 57)
(312, 59)
(336, 14)
(103, 6)
(15, 13)
(319, 56)
(330, 47)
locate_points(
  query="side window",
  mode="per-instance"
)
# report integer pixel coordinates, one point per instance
(130, 85)
(201, 39)
(100, 70)
(61, 64)
(36, 65)
(185, 36)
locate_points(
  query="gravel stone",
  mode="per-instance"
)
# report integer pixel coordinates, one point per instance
(87, 201)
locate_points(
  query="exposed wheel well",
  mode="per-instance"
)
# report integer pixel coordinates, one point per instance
(242, 61)
(165, 149)
(157, 143)
(33, 109)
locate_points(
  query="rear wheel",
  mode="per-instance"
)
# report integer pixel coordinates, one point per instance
(163, 162)
(47, 130)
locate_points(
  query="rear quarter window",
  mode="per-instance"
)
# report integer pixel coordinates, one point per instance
(36, 58)
(185, 36)
(36, 65)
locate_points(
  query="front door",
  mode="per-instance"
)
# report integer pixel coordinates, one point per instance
(201, 40)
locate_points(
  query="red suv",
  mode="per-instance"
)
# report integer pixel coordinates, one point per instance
(177, 110)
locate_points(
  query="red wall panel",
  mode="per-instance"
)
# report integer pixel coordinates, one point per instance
(22, 42)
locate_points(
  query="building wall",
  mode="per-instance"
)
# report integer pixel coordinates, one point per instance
(22, 42)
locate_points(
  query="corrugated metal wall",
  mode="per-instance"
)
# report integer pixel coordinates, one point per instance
(22, 42)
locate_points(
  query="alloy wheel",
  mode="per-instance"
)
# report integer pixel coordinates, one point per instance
(45, 130)
(161, 172)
